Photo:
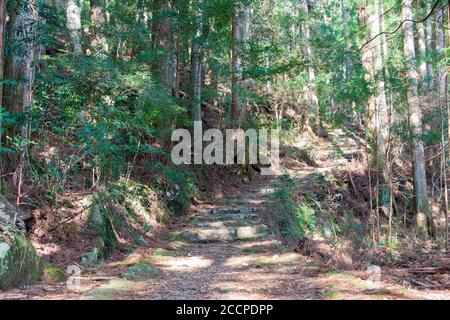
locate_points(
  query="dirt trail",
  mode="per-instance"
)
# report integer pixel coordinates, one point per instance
(226, 250)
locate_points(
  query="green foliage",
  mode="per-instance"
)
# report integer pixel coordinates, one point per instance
(101, 113)
(101, 222)
(178, 185)
(292, 220)
(53, 273)
(140, 271)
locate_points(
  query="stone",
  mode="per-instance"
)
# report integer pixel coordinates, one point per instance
(225, 234)
(4, 249)
(4, 217)
(374, 273)
(91, 258)
(19, 263)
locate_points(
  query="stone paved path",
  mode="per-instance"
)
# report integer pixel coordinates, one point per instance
(226, 250)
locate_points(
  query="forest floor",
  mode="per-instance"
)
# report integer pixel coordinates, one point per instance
(225, 249)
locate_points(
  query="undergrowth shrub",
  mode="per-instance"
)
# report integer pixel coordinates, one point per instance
(100, 125)
(179, 185)
(92, 118)
(124, 211)
(293, 221)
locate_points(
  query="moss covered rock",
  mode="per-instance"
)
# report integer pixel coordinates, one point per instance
(19, 263)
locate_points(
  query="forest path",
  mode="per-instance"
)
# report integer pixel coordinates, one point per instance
(225, 250)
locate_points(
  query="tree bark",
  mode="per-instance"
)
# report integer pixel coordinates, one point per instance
(236, 62)
(163, 44)
(424, 216)
(429, 36)
(313, 101)
(97, 19)
(346, 21)
(73, 16)
(2, 42)
(381, 115)
(197, 50)
(422, 52)
(368, 64)
(2, 63)
(20, 65)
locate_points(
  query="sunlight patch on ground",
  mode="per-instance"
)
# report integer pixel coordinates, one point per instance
(182, 264)
(268, 243)
(263, 260)
(110, 290)
(344, 286)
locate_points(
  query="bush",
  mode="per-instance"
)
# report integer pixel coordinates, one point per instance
(292, 221)
(96, 115)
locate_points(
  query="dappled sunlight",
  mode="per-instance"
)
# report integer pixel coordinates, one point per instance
(253, 244)
(346, 286)
(255, 260)
(182, 264)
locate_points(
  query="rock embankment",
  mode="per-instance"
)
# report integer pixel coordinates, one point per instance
(19, 263)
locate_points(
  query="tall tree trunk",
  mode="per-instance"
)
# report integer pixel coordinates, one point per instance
(20, 63)
(378, 109)
(163, 44)
(2, 46)
(368, 64)
(237, 22)
(346, 21)
(240, 35)
(446, 157)
(97, 19)
(429, 45)
(2, 63)
(176, 89)
(440, 52)
(197, 51)
(424, 216)
(20, 67)
(422, 51)
(73, 16)
(313, 101)
(381, 112)
(381, 115)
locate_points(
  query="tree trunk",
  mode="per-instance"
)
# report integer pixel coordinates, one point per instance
(423, 210)
(381, 112)
(422, 52)
(2, 43)
(73, 16)
(20, 63)
(440, 52)
(98, 18)
(429, 45)
(163, 44)
(346, 21)
(2, 63)
(381, 115)
(313, 101)
(368, 64)
(446, 157)
(197, 50)
(237, 22)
